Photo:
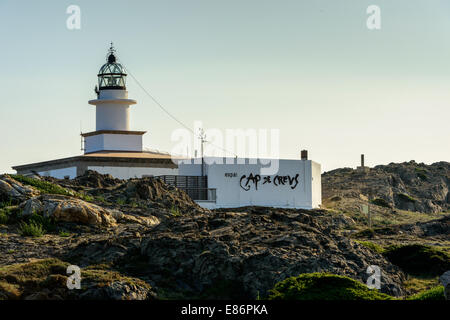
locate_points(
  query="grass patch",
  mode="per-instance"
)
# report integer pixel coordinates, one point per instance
(372, 246)
(323, 286)
(64, 234)
(414, 285)
(42, 186)
(436, 293)
(85, 197)
(17, 281)
(406, 197)
(419, 259)
(380, 202)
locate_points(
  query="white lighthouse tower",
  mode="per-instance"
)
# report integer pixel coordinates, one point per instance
(112, 112)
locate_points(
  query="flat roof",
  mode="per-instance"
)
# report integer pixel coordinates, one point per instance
(129, 154)
(103, 156)
(94, 133)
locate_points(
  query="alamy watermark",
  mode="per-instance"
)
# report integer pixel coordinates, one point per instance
(374, 280)
(231, 146)
(374, 20)
(73, 22)
(74, 279)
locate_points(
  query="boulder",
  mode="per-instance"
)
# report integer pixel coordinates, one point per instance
(445, 281)
(67, 209)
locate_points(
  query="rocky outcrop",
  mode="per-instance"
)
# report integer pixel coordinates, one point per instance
(67, 209)
(445, 281)
(14, 191)
(253, 249)
(408, 186)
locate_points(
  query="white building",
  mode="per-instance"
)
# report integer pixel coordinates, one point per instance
(230, 183)
(115, 149)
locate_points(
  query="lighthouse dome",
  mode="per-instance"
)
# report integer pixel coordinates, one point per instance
(112, 74)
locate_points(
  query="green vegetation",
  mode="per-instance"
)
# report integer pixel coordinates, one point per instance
(372, 246)
(20, 280)
(85, 197)
(121, 201)
(418, 284)
(406, 197)
(100, 199)
(50, 188)
(419, 259)
(36, 225)
(436, 293)
(5, 203)
(323, 286)
(42, 186)
(31, 229)
(16, 278)
(380, 202)
(174, 211)
(4, 217)
(64, 234)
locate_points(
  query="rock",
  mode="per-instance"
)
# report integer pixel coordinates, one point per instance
(426, 186)
(445, 281)
(67, 209)
(255, 250)
(14, 191)
(33, 205)
(121, 290)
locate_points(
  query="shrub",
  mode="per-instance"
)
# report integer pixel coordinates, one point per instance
(31, 229)
(4, 217)
(46, 223)
(5, 203)
(436, 293)
(323, 286)
(419, 259)
(175, 211)
(381, 202)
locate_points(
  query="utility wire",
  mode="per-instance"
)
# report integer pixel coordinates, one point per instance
(169, 114)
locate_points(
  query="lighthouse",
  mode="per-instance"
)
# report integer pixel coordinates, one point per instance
(115, 149)
(113, 108)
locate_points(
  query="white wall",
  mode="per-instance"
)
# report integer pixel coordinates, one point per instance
(60, 173)
(112, 110)
(316, 184)
(110, 116)
(230, 182)
(116, 142)
(129, 172)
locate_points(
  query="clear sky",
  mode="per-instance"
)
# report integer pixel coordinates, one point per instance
(309, 68)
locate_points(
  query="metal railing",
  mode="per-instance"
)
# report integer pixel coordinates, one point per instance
(196, 187)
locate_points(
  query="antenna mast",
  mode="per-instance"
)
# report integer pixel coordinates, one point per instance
(202, 138)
